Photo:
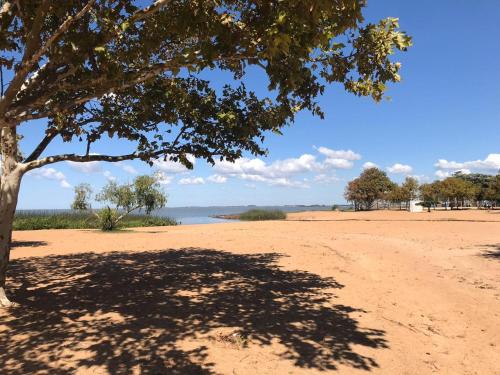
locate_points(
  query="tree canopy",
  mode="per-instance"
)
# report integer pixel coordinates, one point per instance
(373, 184)
(97, 68)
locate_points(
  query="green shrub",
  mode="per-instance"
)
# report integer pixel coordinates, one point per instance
(254, 215)
(108, 218)
(36, 220)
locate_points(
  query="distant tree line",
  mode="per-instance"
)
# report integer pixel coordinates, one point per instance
(373, 189)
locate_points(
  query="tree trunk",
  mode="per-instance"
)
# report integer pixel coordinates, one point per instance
(10, 181)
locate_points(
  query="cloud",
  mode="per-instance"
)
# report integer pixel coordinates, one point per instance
(338, 154)
(169, 166)
(421, 178)
(491, 163)
(85, 167)
(324, 178)
(109, 176)
(128, 168)
(218, 179)
(163, 178)
(51, 174)
(369, 165)
(444, 174)
(339, 163)
(192, 181)
(400, 169)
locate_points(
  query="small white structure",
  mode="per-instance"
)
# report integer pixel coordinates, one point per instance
(415, 206)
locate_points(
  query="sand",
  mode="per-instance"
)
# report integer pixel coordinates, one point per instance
(347, 293)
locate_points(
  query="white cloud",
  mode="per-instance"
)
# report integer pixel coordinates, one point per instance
(324, 178)
(421, 178)
(491, 163)
(339, 163)
(369, 165)
(216, 178)
(51, 174)
(128, 168)
(163, 178)
(400, 169)
(169, 166)
(338, 154)
(444, 174)
(277, 173)
(109, 176)
(85, 167)
(192, 181)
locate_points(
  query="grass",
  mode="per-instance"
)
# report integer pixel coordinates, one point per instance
(36, 220)
(256, 215)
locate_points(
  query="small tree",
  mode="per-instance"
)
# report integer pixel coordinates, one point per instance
(396, 195)
(409, 190)
(144, 193)
(83, 194)
(430, 195)
(371, 185)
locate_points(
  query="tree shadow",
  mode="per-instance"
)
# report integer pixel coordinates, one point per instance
(120, 310)
(493, 252)
(15, 244)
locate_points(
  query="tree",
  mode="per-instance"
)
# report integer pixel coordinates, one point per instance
(493, 192)
(430, 194)
(83, 195)
(456, 191)
(481, 182)
(409, 190)
(396, 195)
(371, 185)
(97, 69)
(144, 193)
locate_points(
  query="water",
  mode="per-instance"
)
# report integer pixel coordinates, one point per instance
(204, 215)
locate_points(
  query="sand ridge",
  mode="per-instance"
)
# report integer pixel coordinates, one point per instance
(380, 292)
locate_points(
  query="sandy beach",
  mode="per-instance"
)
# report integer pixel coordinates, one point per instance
(348, 293)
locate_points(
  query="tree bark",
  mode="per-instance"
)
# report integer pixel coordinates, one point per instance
(10, 180)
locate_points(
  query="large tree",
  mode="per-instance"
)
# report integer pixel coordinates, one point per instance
(96, 69)
(372, 185)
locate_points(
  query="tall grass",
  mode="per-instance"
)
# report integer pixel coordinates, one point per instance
(36, 220)
(255, 215)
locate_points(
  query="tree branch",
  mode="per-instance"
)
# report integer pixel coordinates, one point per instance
(29, 61)
(132, 79)
(41, 147)
(33, 41)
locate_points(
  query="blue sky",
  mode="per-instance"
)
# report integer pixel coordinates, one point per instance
(443, 116)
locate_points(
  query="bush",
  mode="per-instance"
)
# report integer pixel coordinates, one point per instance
(108, 218)
(36, 220)
(254, 215)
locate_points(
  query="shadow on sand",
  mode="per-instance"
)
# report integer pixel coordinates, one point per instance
(493, 252)
(15, 244)
(121, 310)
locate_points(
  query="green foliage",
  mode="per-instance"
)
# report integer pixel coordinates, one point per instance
(144, 193)
(83, 194)
(258, 215)
(493, 192)
(135, 74)
(35, 220)
(456, 190)
(481, 181)
(429, 194)
(108, 218)
(373, 184)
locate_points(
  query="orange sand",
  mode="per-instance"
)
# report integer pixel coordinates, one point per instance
(379, 292)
